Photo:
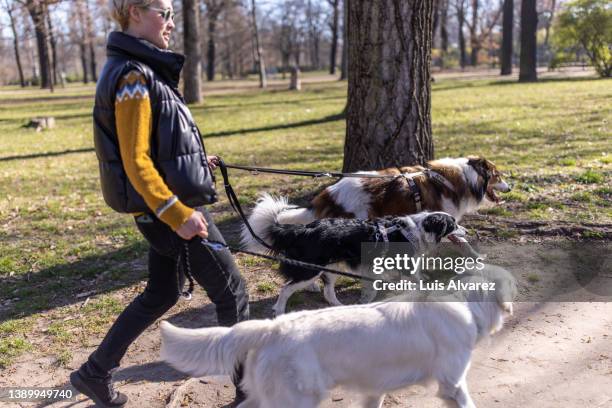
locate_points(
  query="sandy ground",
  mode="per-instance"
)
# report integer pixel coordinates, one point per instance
(550, 354)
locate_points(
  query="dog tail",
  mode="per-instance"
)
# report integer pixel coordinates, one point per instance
(211, 351)
(268, 212)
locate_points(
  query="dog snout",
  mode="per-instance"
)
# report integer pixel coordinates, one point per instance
(502, 186)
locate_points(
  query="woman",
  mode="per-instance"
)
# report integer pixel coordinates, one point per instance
(153, 165)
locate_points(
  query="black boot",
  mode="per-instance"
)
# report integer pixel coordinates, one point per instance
(99, 389)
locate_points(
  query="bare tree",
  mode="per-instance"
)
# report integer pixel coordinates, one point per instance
(507, 31)
(263, 81)
(460, 7)
(345, 44)
(9, 10)
(335, 5)
(551, 16)
(191, 40)
(443, 23)
(91, 42)
(81, 38)
(313, 23)
(53, 44)
(389, 90)
(529, 26)
(474, 42)
(214, 8)
(37, 10)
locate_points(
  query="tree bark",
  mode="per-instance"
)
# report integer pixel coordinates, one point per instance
(191, 40)
(389, 90)
(334, 29)
(15, 44)
(529, 26)
(507, 32)
(263, 81)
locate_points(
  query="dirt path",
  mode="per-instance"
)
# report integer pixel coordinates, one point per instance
(550, 354)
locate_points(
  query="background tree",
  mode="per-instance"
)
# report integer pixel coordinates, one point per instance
(81, 37)
(460, 8)
(263, 81)
(507, 31)
(191, 42)
(345, 45)
(389, 89)
(9, 10)
(214, 8)
(37, 10)
(443, 24)
(529, 27)
(586, 26)
(91, 42)
(334, 28)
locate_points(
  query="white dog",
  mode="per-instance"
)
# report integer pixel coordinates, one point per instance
(296, 359)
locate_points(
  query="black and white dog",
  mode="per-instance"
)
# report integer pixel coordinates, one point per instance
(336, 240)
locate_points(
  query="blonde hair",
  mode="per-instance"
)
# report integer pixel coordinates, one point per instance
(120, 10)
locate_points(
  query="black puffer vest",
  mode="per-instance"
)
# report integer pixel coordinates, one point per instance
(176, 143)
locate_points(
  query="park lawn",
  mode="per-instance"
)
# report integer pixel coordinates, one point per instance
(59, 241)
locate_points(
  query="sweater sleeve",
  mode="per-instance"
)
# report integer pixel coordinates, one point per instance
(133, 119)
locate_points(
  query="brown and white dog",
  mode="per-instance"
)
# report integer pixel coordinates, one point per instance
(456, 186)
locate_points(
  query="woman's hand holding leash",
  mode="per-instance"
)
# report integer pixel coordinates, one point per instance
(213, 161)
(195, 225)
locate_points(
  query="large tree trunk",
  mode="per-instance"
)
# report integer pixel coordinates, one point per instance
(345, 45)
(474, 40)
(334, 29)
(389, 90)
(191, 41)
(529, 26)
(263, 81)
(507, 30)
(15, 44)
(37, 12)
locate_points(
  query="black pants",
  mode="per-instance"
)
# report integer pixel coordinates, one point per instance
(214, 270)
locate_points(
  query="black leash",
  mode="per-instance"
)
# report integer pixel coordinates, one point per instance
(217, 246)
(313, 174)
(233, 200)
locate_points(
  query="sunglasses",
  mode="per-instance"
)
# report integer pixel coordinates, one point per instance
(167, 14)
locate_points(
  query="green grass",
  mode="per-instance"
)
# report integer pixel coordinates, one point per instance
(59, 239)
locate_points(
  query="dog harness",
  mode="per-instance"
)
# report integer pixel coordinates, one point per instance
(416, 191)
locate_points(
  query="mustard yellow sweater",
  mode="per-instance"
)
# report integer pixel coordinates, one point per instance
(133, 121)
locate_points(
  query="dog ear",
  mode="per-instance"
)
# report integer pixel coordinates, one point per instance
(440, 224)
(482, 166)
